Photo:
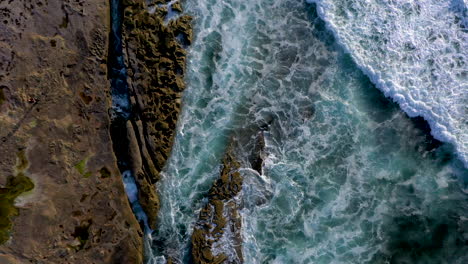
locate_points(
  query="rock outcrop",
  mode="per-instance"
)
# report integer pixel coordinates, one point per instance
(62, 196)
(155, 57)
(216, 236)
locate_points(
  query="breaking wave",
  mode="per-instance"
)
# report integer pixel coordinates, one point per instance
(415, 52)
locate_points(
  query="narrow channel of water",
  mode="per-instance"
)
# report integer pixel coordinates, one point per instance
(120, 111)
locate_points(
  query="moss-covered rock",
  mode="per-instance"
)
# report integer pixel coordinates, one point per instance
(81, 168)
(14, 187)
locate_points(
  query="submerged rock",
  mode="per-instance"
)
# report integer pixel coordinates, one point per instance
(258, 154)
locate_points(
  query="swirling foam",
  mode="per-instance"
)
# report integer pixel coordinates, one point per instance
(415, 52)
(339, 175)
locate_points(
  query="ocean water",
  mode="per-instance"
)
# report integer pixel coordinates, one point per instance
(348, 177)
(414, 51)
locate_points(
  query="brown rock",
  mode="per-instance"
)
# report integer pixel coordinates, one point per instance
(53, 106)
(218, 215)
(177, 7)
(156, 65)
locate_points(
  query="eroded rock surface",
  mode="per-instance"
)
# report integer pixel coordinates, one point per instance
(216, 237)
(155, 59)
(54, 98)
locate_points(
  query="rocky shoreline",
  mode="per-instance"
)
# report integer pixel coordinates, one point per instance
(155, 62)
(62, 195)
(63, 183)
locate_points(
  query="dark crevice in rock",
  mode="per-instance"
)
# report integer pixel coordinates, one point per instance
(117, 72)
(2, 95)
(120, 112)
(81, 233)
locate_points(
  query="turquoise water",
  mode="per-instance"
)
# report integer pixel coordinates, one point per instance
(348, 177)
(415, 52)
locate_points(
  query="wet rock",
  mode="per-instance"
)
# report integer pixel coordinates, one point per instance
(155, 62)
(218, 217)
(177, 7)
(258, 153)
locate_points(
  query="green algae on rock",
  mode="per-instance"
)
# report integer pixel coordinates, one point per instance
(218, 215)
(156, 61)
(14, 187)
(81, 168)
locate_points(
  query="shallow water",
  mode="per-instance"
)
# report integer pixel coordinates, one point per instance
(349, 178)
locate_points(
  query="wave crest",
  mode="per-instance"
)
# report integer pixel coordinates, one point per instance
(415, 52)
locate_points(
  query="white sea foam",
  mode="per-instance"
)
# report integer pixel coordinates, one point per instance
(131, 189)
(220, 74)
(338, 170)
(415, 52)
(130, 186)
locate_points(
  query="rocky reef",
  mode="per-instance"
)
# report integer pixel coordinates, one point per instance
(216, 236)
(62, 197)
(154, 48)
